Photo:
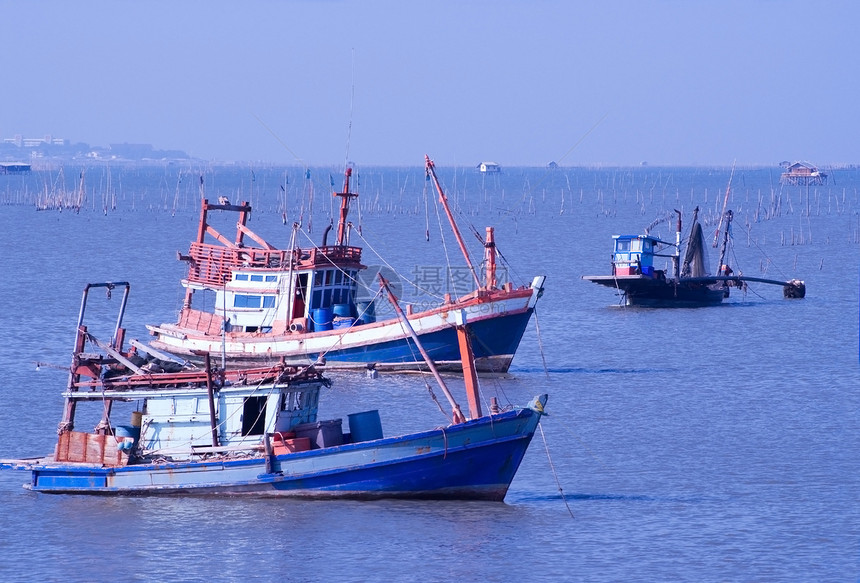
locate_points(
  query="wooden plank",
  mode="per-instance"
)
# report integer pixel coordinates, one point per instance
(77, 447)
(110, 350)
(156, 353)
(95, 448)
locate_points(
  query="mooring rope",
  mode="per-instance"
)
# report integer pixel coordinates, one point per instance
(554, 473)
(540, 343)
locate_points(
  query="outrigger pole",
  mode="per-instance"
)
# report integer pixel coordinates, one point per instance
(457, 413)
(430, 168)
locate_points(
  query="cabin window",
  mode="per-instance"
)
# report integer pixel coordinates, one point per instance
(623, 245)
(329, 275)
(256, 278)
(319, 278)
(240, 277)
(254, 416)
(338, 277)
(288, 402)
(202, 406)
(271, 278)
(268, 301)
(326, 298)
(243, 301)
(317, 299)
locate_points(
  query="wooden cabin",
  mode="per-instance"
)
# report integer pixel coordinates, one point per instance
(802, 173)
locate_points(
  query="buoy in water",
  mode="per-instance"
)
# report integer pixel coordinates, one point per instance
(794, 289)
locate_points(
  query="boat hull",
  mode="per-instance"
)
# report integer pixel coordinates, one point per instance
(645, 291)
(476, 460)
(497, 324)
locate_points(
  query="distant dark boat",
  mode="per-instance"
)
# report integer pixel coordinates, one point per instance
(691, 285)
(14, 168)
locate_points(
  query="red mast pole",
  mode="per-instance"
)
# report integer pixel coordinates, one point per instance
(490, 257)
(344, 206)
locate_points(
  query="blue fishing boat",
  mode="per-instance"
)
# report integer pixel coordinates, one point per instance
(258, 432)
(253, 304)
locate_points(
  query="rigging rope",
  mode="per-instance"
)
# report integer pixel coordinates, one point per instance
(540, 342)
(398, 274)
(442, 238)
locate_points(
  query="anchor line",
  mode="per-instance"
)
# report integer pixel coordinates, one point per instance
(554, 473)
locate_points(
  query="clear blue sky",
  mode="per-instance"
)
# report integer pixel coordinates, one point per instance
(680, 82)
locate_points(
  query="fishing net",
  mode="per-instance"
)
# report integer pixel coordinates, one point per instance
(695, 259)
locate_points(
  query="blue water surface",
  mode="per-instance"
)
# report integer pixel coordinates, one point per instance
(710, 444)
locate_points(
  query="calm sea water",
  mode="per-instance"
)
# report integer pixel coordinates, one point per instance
(712, 444)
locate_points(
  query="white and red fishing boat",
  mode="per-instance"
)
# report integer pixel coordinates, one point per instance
(300, 305)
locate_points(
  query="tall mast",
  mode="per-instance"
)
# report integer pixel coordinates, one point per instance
(676, 260)
(490, 258)
(431, 169)
(729, 215)
(725, 204)
(344, 206)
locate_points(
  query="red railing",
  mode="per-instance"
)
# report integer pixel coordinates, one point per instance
(213, 264)
(277, 373)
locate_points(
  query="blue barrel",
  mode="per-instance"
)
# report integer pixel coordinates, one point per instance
(322, 318)
(126, 431)
(342, 322)
(365, 426)
(366, 311)
(343, 310)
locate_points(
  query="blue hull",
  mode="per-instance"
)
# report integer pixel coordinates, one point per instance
(476, 460)
(494, 343)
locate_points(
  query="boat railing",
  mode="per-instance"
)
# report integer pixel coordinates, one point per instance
(212, 264)
(157, 380)
(335, 254)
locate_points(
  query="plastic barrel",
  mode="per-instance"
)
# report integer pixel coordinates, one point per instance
(126, 431)
(340, 323)
(365, 426)
(322, 319)
(342, 310)
(366, 311)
